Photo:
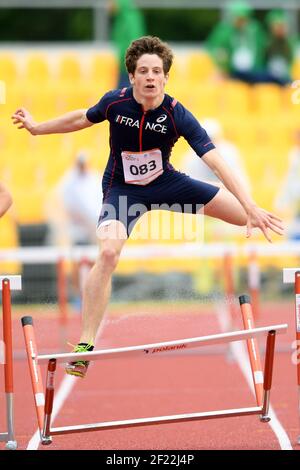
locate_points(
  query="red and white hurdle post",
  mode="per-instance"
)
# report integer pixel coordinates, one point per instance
(292, 275)
(262, 381)
(147, 351)
(6, 284)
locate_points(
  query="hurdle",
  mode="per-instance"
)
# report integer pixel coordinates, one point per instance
(292, 275)
(44, 401)
(7, 283)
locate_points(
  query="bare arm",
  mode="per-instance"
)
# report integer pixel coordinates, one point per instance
(69, 122)
(256, 216)
(5, 200)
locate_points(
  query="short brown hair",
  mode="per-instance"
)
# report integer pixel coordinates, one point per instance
(148, 45)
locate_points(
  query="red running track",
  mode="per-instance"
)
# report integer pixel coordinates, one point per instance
(135, 388)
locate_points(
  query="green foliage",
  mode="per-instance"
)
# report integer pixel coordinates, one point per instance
(46, 25)
(181, 25)
(77, 25)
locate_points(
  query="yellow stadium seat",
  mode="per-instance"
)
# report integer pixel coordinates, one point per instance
(204, 100)
(200, 66)
(104, 70)
(8, 68)
(267, 99)
(37, 68)
(235, 98)
(69, 68)
(29, 205)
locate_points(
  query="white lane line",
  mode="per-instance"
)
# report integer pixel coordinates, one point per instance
(240, 355)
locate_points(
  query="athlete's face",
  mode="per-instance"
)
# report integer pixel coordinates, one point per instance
(149, 79)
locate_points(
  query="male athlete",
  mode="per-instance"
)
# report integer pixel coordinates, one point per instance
(145, 123)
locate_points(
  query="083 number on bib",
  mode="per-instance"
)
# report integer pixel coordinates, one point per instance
(142, 167)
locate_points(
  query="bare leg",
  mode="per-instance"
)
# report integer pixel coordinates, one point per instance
(96, 292)
(225, 206)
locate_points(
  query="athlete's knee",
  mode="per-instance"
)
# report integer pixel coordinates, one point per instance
(109, 257)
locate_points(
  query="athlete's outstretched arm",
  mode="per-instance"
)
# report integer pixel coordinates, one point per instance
(256, 216)
(69, 122)
(5, 200)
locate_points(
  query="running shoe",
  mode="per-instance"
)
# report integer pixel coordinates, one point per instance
(79, 368)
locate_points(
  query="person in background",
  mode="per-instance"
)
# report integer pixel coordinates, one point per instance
(237, 44)
(5, 200)
(78, 198)
(280, 48)
(196, 168)
(128, 24)
(81, 196)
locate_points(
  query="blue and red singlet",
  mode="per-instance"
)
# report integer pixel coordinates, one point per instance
(138, 167)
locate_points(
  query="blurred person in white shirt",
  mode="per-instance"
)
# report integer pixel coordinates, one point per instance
(73, 212)
(196, 168)
(81, 195)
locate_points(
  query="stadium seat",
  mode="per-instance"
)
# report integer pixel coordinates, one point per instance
(200, 66)
(104, 70)
(69, 68)
(267, 99)
(8, 68)
(37, 69)
(235, 98)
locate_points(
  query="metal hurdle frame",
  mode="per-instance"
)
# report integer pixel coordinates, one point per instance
(8, 283)
(292, 276)
(44, 403)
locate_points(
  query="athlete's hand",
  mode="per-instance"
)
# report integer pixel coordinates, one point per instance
(23, 120)
(265, 221)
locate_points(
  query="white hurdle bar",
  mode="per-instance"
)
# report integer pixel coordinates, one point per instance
(292, 276)
(8, 283)
(44, 404)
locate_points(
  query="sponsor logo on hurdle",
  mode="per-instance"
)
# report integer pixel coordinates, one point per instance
(165, 348)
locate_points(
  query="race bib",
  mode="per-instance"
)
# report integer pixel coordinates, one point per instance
(142, 167)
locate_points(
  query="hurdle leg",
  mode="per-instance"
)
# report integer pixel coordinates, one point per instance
(253, 349)
(34, 368)
(46, 438)
(268, 372)
(9, 436)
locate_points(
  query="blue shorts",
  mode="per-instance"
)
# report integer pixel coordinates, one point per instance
(172, 190)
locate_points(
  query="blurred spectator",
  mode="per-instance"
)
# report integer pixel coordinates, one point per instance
(73, 211)
(81, 195)
(5, 200)
(237, 44)
(196, 168)
(128, 24)
(280, 48)
(288, 199)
